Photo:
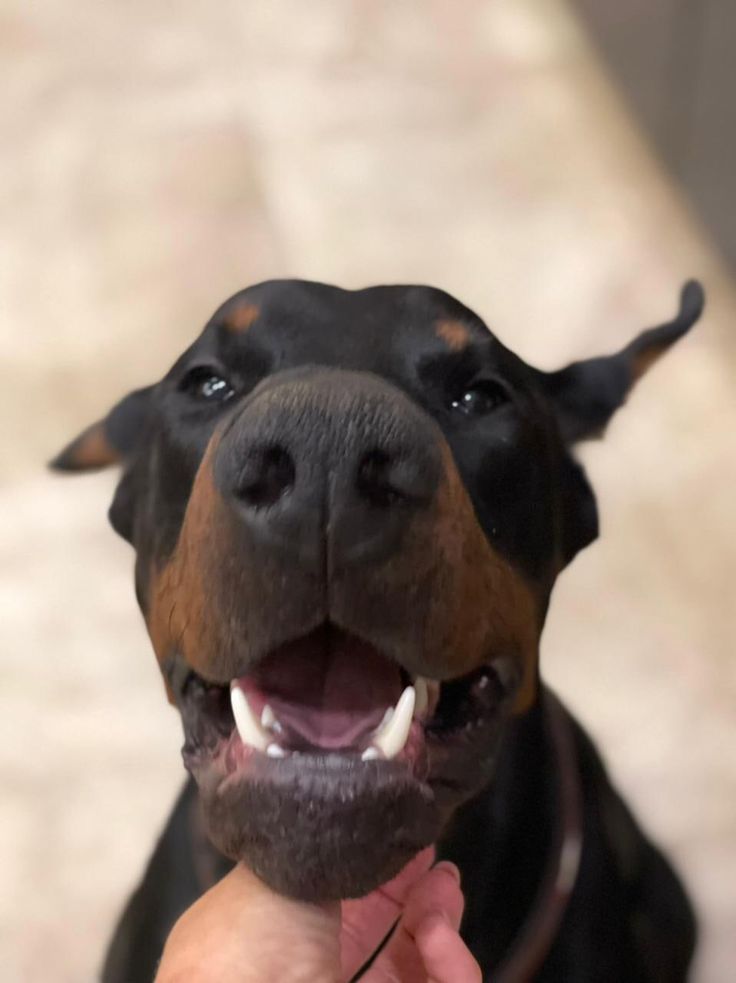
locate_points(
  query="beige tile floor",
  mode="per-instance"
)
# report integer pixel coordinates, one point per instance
(155, 158)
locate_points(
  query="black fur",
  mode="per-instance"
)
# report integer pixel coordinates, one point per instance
(628, 919)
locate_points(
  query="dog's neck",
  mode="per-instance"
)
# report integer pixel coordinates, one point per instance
(519, 820)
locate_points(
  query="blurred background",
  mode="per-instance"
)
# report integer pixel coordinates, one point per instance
(559, 167)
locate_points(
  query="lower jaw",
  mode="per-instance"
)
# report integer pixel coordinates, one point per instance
(325, 827)
(329, 829)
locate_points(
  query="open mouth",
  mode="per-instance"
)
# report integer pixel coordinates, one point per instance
(308, 699)
(327, 765)
(330, 693)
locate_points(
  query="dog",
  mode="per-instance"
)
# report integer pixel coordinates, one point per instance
(348, 510)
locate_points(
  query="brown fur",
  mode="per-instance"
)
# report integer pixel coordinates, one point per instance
(242, 318)
(443, 604)
(455, 334)
(92, 449)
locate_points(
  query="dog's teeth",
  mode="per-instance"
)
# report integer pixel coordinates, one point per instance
(386, 717)
(249, 728)
(392, 737)
(275, 751)
(268, 718)
(422, 700)
(370, 754)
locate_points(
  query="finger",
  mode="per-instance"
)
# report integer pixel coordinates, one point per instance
(399, 961)
(366, 921)
(437, 893)
(432, 918)
(439, 890)
(445, 956)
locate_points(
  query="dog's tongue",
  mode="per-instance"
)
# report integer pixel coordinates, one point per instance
(327, 690)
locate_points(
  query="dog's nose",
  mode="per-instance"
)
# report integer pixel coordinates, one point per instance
(329, 466)
(268, 473)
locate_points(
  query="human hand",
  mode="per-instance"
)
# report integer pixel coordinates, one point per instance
(242, 932)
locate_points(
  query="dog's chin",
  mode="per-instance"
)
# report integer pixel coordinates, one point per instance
(323, 829)
(327, 768)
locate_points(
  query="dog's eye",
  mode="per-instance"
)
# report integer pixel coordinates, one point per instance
(206, 383)
(481, 398)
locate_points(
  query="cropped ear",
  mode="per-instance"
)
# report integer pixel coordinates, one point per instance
(110, 440)
(587, 394)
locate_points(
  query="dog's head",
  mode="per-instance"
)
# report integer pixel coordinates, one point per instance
(348, 510)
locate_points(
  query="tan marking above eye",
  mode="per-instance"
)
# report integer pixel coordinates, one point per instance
(241, 318)
(454, 333)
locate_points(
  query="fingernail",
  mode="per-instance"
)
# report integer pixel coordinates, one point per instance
(450, 868)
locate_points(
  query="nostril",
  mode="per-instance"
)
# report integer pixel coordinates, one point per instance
(267, 475)
(375, 480)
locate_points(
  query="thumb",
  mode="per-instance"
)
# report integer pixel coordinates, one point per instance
(241, 931)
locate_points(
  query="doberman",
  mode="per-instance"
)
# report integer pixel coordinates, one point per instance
(348, 510)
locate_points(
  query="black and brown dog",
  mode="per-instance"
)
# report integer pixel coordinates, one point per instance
(349, 509)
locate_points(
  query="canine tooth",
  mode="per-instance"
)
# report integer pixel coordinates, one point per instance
(370, 754)
(268, 717)
(392, 736)
(422, 700)
(386, 717)
(249, 728)
(275, 751)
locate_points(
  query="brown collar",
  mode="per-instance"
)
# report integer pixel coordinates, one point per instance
(534, 940)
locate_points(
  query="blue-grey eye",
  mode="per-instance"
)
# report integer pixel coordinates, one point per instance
(206, 383)
(481, 398)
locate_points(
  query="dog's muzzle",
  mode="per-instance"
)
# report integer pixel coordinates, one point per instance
(324, 626)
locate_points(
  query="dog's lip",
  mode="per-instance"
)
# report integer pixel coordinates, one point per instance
(237, 762)
(300, 770)
(178, 671)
